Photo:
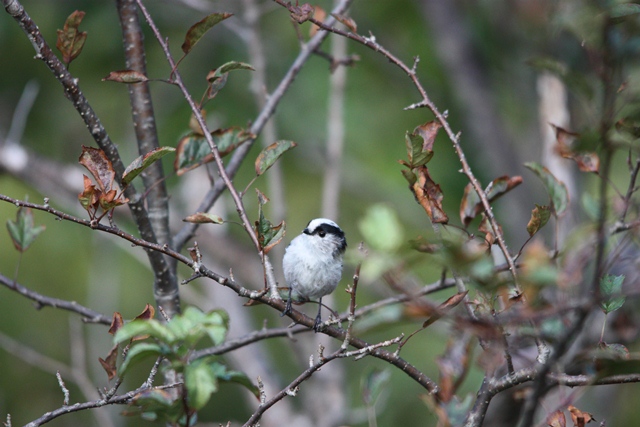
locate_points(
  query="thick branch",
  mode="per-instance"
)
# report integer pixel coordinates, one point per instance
(74, 94)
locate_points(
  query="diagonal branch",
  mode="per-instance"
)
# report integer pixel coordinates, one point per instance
(166, 289)
(273, 99)
(88, 315)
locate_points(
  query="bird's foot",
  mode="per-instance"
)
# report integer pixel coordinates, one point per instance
(287, 308)
(318, 325)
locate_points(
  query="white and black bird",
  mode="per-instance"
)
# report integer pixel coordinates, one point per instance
(312, 263)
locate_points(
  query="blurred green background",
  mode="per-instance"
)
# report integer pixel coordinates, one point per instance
(75, 263)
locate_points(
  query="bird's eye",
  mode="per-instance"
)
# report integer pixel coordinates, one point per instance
(322, 233)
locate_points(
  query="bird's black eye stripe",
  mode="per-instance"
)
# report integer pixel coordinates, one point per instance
(323, 229)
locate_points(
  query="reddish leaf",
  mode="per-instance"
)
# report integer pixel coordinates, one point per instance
(587, 162)
(199, 29)
(70, 40)
(116, 323)
(147, 313)
(89, 196)
(556, 419)
(99, 165)
(110, 200)
(347, 22)
(301, 13)
(429, 195)
(126, 76)
(539, 217)
(445, 307)
(109, 363)
(579, 418)
(203, 218)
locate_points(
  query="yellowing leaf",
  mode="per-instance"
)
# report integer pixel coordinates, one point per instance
(203, 218)
(271, 154)
(199, 29)
(556, 189)
(142, 162)
(539, 217)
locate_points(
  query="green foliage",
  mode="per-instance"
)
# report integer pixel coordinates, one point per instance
(22, 231)
(142, 162)
(175, 341)
(556, 189)
(611, 290)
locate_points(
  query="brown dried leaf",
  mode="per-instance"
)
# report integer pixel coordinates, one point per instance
(539, 217)
(579, 418)
(587, 162)
(126, 76)
(319, 15)
(347, 22)
(99, 165)
(116, 323)
(556, 419)
(70, 40)
(90, 195)
(428, 131)
(109, 363)
(301, 13)
(429, 195)
(445, 307)
(203, 218)
(147, 313)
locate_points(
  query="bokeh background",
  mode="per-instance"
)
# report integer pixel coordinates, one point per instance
(475, 62)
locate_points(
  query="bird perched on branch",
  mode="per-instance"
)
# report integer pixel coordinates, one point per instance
(312, 264)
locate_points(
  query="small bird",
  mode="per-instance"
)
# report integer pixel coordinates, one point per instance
(312, 263)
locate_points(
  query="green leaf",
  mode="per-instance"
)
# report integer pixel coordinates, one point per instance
(417, 156)
(223, 374)
(381, 228)
(611, 290)
(269, 235)
(216, 325)
(539, 217)
(271, 154)
(201, 383)
(22, 231)
(556, 189)
(624, 10)
(199, 29)
(229, 139)
(141, 163)
(191, 152)
(138, 352)
(225, 68)
(373, 384)
(140, 327)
